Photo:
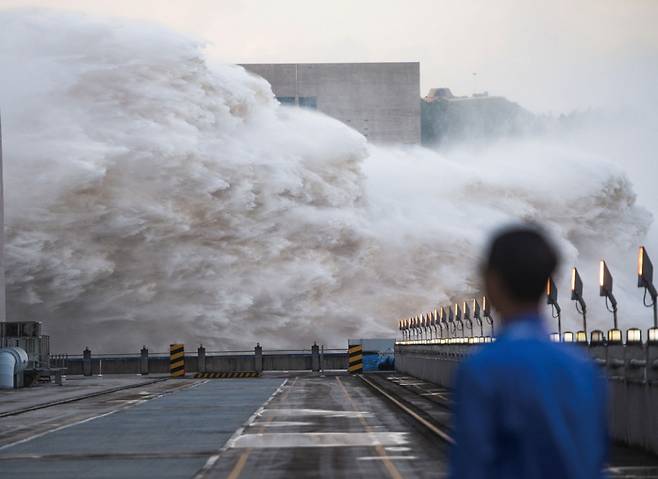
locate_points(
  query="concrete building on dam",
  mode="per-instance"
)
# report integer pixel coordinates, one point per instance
(380, 100)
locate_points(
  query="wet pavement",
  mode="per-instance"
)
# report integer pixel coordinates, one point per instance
(330, 427)
(278, 426)
(163, 430)
(13, 400)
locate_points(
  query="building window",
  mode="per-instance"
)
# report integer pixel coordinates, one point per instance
(302, 101)
(286, 100)
(308, 102)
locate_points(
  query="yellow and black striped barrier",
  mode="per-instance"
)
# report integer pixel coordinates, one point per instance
(177, 360)
(355, 359)
(227, 375)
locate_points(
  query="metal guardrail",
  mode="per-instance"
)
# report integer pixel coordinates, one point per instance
(195, 353)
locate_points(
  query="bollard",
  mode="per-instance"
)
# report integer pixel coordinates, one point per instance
(201, 359)
(597, 348)
(177, 360)
(144, 361)
(258, 358)
(354, 358)
(315, 358)
(86, 362)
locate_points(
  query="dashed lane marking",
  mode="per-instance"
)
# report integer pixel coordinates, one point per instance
(319, 439)
(391, 458)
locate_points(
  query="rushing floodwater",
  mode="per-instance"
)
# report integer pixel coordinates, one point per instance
(152, 197)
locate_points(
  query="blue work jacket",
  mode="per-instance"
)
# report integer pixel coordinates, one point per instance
(526, 407)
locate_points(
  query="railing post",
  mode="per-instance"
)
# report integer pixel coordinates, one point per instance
(652, 359)
(144, 361)
(615, 359)
(86, 362)
(315, 358)
(635, 356)
(258, 358)
(201, 359)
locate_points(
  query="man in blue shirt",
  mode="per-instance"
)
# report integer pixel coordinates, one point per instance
(526, 407)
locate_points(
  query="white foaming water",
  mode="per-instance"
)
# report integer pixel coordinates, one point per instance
(152, 197)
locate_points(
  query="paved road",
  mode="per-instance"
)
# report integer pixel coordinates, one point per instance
(73, 387)
(165, 430)
(273, 427)
(329, 427)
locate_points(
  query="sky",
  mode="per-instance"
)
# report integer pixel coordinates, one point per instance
(550, 57)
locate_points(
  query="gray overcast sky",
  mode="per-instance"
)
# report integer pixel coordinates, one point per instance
(549, 56)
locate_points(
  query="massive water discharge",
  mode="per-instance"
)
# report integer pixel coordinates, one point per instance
(153, 197)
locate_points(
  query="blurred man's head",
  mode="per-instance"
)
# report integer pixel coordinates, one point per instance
(519, 261)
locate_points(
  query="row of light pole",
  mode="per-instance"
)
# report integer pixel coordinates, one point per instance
(633, 335)
(449, 325)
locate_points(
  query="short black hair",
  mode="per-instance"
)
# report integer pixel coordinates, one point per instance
(523, 258)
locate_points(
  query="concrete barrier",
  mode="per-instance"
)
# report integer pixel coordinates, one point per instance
(632, 373)
(203, 361)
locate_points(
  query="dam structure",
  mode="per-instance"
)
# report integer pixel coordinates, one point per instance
(379, 100)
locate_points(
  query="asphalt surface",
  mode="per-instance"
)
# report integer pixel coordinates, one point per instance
(12, 400)
(330, 427)
(161, 430)
(300, 426)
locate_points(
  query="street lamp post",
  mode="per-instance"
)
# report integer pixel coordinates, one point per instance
(605, 290)
(451, 323)
(645, 280)
(467, 319)
(478, 318)
(443, 320)
(486, 313)
(459, 325)
(556, 312)
(581, 307)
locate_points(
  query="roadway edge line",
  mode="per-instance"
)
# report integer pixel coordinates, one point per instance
(443, 435)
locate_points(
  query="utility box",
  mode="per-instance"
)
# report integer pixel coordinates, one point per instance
(27, 335)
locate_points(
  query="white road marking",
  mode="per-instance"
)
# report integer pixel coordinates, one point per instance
(315, 412)
(280, 423)
(392, 458)
(642, 470)
(320, 439)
